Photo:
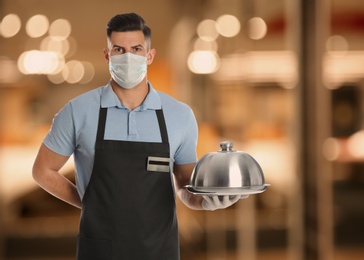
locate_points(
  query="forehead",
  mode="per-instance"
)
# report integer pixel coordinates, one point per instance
(131, 38)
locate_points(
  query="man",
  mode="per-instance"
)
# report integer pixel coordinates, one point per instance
(125, 137)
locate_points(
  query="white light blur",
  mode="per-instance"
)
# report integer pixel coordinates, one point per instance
(228, 25)
(89, 72)
(207, 31)
(72, 46)
(331, 149)
(10, 25)
(37, 26)
(60, 28)
(257, 28)
(49, 59)
(260, 66)
(203, 62)
(58, 66)
(55, 44)
(73, 71)
(56, 78)
(342, 68)
(38, 62)
(201, 45)
(356, 144)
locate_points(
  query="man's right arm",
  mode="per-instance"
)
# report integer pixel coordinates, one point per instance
(46, 173)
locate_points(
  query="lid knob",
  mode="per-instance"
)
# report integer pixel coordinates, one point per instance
(226, 146)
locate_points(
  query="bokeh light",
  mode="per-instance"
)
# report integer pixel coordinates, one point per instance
(60, 28)
(89, 72)
(37, 26)
(72, 46)
(46, 56)
(73, 71)
(203, 62)
(207, 31)
(56, 78)
(55, 44)
(201, 45)
(356, 144)
(257, 28)
(10, 25)
(38, 62)
(228, 25)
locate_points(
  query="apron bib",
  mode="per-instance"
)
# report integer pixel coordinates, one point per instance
(128, 209)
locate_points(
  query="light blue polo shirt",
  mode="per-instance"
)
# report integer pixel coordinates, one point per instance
(74, 128)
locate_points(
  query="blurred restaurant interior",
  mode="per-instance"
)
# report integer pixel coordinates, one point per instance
(281, 79)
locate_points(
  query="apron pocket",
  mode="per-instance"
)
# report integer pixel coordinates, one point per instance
(93, 249)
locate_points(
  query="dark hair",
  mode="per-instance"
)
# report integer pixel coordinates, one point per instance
(128, 22)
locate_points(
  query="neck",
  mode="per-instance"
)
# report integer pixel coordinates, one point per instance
(131, 98)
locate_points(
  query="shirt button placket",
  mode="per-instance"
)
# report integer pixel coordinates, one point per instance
(132, 125)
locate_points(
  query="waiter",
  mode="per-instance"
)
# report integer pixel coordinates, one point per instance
(128, 141)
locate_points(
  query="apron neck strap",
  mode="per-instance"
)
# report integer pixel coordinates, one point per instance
(162, 125)
(101, 125)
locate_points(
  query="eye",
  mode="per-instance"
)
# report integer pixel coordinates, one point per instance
(118, 49)
(137, 49)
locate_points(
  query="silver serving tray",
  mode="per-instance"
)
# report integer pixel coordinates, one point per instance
(248, 190)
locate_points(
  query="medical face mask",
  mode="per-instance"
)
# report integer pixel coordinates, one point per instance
(128, 69)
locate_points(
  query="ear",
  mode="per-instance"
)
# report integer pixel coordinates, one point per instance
(151, 56)
(106, 55)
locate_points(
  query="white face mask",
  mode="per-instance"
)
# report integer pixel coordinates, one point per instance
(128, 69)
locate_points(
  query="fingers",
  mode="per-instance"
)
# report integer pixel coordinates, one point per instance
(217, 202)
(220, 202)
(232, 200)
(207, 203)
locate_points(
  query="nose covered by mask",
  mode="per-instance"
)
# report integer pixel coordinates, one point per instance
(128, 69)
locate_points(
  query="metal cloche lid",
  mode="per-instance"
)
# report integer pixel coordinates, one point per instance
(227, 172)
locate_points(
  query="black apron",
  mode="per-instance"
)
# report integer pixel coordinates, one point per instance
(128, 210)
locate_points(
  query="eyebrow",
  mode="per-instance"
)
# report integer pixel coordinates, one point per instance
(135, 46)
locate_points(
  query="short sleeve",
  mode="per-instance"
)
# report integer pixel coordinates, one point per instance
(61, 137)
(186, 152)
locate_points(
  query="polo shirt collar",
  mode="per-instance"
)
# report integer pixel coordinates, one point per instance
(110, 99)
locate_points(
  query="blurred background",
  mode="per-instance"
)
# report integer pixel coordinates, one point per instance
(282, 79)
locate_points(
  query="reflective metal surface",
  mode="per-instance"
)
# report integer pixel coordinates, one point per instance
(228, 172)
(227, 191)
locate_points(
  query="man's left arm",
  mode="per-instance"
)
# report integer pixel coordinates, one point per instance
(182, 174)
